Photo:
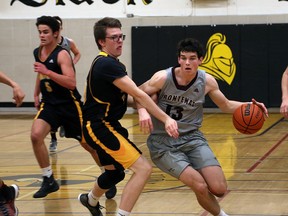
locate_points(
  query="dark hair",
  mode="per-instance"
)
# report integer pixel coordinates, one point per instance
(101, 26)
(190, 45)
(49, 21)
(58, 19)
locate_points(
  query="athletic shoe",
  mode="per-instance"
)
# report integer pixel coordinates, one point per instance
(62, 131)
(111, 192)
(94, 210)
(49, 185)
(8, 208)
(53, 146)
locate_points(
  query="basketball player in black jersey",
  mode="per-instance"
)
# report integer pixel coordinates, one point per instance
(71, 46)
(108, 86)
(60, 103)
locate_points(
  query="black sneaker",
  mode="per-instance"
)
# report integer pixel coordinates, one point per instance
(49, 185)
(8, 208)
(94, 210)
(111, 192)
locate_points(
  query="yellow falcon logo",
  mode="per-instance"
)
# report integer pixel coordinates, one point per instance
(218, 60)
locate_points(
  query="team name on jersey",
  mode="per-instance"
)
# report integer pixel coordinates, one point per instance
(181, 99)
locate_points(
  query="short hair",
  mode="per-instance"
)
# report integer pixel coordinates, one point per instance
(49, 21)
(190, 45)
(58, 19)
(101, 26)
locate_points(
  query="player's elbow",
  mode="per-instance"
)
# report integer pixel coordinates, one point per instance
(72, 85)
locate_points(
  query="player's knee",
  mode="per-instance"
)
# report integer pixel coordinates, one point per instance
(219, 190)
(35, 137)
(148, 169)
(145, 169)
(110, 178)
(200, 188)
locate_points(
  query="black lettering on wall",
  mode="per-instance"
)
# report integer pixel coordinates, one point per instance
(33, 3)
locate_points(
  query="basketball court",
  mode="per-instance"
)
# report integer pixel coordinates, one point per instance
(255, 167)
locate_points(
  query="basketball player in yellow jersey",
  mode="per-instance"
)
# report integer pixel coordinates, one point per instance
(108, 86)
(181, 94)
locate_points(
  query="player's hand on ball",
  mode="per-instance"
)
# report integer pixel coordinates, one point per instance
(261, 106)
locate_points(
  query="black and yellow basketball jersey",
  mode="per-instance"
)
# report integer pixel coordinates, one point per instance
(52, 92)
(102, 99)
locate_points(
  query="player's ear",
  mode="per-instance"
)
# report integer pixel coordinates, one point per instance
(101, 42)
(200, 60)
(56, 33)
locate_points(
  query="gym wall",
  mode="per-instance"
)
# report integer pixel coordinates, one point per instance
(246, 60)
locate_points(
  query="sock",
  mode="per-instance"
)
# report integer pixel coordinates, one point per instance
(222, 213)
(53, 136)
(121, 212)
(92, 200)
(47, 171)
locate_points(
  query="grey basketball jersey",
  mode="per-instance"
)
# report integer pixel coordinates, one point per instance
(65, 43)
(182, 103)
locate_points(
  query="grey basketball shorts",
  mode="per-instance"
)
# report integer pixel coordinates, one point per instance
(174, 155)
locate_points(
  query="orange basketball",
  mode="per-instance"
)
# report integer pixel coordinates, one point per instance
(248, 118)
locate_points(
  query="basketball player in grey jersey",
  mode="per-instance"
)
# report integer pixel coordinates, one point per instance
(68, 43)
(184, 105)
(180, 93)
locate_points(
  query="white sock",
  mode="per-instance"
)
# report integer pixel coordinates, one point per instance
(121, 212)
(92, 200)
(47, 171)
(222, 213)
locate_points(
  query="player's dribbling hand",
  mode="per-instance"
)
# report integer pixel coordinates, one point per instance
(262, 106)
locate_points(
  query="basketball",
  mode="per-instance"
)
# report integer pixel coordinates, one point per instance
(248, 118)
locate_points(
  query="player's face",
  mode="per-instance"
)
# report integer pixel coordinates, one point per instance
(113, 42)
(46, 35)
(189, 61)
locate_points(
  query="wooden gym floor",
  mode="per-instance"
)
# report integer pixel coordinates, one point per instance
(256, 167)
